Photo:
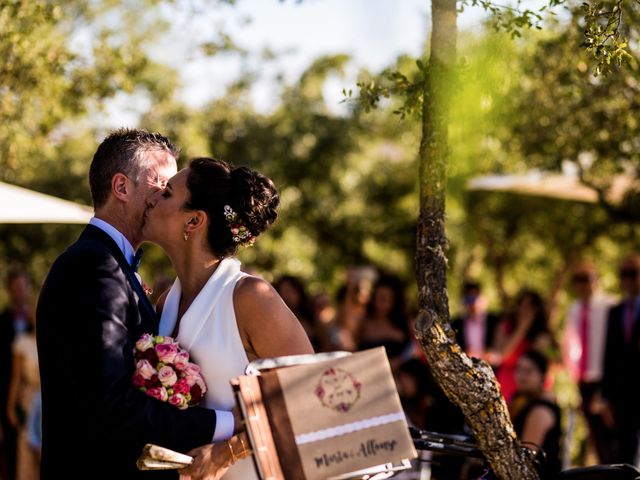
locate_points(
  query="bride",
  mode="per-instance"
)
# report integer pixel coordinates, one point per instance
(224, 317)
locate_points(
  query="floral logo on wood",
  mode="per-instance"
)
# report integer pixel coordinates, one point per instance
(338, 389)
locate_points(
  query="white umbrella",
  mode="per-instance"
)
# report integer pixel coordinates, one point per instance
(20, 205)
(563, 186)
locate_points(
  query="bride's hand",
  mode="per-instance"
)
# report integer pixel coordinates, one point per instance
(211, 462)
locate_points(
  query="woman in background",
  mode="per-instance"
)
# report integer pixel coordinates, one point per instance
(535, 416)
(386, 323)
(294, 294)
(23, 401)
(526, 329)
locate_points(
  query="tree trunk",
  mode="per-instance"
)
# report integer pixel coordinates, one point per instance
(469, 383)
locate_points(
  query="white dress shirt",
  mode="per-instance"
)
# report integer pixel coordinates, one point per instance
(475, 328)
(224, 419)
(599, 305)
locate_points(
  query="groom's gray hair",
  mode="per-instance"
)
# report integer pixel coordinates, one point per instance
(123, 151)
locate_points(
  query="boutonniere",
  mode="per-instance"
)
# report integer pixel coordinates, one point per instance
(148, 291)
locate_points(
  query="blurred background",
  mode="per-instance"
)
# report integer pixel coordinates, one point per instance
(261, 83)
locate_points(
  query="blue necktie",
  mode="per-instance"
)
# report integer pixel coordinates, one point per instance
(137, 258)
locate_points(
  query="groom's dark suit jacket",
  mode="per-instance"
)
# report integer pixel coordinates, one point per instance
(95, 423)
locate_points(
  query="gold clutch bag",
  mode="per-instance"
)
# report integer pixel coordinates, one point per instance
(154, 457)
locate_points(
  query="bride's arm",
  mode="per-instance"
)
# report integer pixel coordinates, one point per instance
(267, 327)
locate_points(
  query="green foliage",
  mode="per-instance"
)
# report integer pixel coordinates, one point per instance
(589, 123)
(393, 83)
(511, 19)
(508, 119)
(58, 65)
(604, 34)
(61, 62)
(607, 25)
(348, 181)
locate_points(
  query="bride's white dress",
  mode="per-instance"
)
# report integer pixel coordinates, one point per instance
(209, 332)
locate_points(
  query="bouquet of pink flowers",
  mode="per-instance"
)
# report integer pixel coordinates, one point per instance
(163, 371)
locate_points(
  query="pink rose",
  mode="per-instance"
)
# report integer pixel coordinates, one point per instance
(159, 393)
(181, 359)
(191, 373)
(138, 380)
(178, 400)
(145, 369)
(145, 342)
(191, 369)
(167, 376)
(166, 352)
(181, 386)
(160, 340)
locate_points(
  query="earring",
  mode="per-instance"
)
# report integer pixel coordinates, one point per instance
(186, 236)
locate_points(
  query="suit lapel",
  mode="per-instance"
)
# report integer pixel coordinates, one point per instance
(147, 312)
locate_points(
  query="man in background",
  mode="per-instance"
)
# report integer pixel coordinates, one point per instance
(620, 386)
(583, 351)
(475, 327)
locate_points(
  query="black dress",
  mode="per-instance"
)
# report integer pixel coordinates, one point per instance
(551, 443)
(394, 348)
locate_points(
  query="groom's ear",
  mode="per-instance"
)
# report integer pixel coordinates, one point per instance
(120, 187)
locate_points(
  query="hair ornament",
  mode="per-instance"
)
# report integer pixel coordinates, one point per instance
(239, 232)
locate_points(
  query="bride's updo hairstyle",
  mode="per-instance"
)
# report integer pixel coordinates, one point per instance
(240, 202)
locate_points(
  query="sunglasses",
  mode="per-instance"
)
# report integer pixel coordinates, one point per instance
(581, 278)
(630, 273)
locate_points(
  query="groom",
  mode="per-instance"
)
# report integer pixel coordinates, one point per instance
(91, 311)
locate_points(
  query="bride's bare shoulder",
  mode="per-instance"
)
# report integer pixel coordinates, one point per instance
(251, 289)
(255, 298)
(267, 326)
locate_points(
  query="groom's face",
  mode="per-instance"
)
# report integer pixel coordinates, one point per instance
(162, 166)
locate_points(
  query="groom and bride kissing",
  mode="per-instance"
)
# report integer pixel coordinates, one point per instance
(92, 309)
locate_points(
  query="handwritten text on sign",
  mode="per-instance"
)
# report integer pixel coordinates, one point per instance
(370, 448)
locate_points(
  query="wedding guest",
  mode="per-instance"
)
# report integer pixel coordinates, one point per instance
(352, 299)
(295, 296)
(475, 327)
(583, 350)
(386, 323)
(24, 390)
(412, 390)
(620, 387)
(324, 315)
(441, 415)
(15, 319)
(526, 328)
(535, 415)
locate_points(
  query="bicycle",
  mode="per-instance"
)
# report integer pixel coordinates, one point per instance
(465, 446)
